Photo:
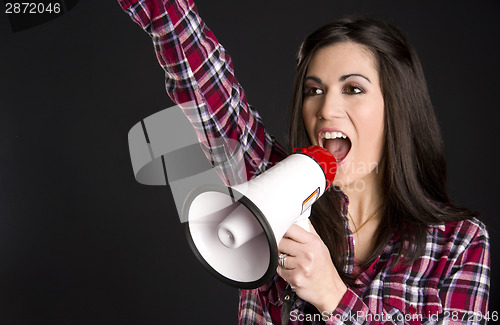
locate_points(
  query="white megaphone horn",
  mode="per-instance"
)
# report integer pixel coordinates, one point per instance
(234, 231)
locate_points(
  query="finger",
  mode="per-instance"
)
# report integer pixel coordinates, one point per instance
(288, 263)
(289, 246)
(298, 234)
(288, 275)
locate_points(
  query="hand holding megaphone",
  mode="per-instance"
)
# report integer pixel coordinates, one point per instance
(234, 231)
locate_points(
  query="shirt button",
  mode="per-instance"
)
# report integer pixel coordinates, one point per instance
(413, 310)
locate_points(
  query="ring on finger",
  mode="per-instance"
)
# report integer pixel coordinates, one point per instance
(281, 260)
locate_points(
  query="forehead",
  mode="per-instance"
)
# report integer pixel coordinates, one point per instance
(342, 59)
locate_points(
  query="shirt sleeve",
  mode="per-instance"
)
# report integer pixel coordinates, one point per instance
(251, 310)
(198, 71)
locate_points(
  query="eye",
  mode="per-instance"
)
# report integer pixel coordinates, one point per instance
(312, 91)
(352, 90)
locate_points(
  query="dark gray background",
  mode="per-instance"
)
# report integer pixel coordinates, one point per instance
(82, 243)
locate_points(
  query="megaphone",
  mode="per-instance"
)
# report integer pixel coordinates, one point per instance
(234, 231)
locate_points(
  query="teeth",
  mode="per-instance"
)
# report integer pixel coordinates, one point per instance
(332, 135)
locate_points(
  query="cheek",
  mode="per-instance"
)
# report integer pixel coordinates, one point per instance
(373, 116)
(369, 122)
(374, 127)
(379, 120)
(306, 114)
(308, 118)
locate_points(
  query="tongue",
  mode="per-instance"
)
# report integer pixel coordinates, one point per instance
(338, 147)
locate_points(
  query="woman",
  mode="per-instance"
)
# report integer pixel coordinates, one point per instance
(386, 245)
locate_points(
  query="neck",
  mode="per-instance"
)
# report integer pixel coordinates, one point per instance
(365, 200)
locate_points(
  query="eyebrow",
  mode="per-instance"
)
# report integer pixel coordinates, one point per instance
(313, 78)
(342, 78)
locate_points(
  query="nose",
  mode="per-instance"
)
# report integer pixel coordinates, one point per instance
(331, 107)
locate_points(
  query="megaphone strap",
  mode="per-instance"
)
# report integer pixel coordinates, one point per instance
(288, 297)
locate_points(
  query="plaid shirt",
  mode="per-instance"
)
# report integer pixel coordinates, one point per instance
(449, 283)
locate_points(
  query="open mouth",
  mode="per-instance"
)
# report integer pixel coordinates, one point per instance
(337, 143)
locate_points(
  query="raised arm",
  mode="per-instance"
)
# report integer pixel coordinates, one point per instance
(198, 69)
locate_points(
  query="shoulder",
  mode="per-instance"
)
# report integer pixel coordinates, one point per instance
(453, 238)
(463, 230)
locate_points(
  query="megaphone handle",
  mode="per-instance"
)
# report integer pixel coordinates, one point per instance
(303, 220)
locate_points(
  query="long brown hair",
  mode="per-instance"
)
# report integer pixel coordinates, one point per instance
(413, 164)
